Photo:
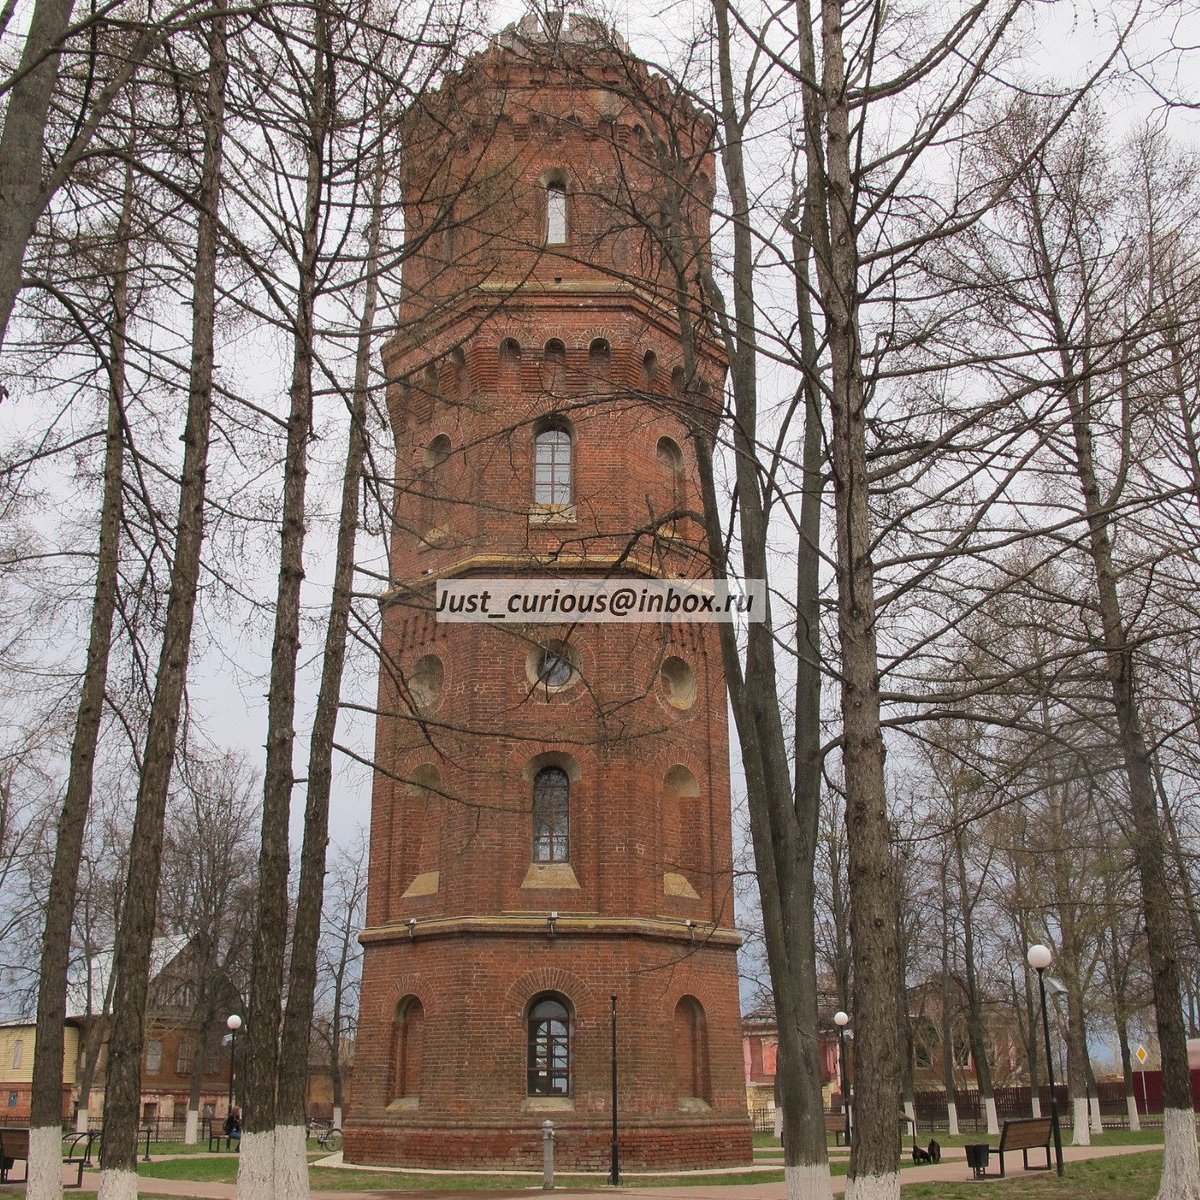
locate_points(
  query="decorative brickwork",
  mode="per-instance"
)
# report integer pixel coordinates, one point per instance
(476, 910)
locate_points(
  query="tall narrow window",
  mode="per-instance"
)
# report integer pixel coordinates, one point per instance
(691, 1050)
(556, 214)
(408, 1044)
(551, 815)
(548, 1065)
(552, 467)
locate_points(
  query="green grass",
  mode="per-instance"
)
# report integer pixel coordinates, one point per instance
(1129, 1177)
(334, 1179)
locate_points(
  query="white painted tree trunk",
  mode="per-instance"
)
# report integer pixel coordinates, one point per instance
(1081, 1126)
(1181, 1169)
(337, 1117)
(779, 1121)
(1135, 1120)
(81, 1120)
(256, 1167)
(1097, 1122)
(191, 1129)
(808, 1182)
(952, 1117)
(291, 1163)
(874, 1187)
(993, 1125)
(910, 1111)
(1035, 1105)
(118, 1185)
(45, 1163)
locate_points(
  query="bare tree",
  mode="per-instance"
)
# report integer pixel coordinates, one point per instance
(118, 1148)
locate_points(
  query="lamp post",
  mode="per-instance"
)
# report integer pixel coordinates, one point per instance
(841, 1020)
(614, 1171)
(233, 1024)
(1039, 958)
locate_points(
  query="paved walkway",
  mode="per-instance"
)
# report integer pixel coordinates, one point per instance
(952, 1169)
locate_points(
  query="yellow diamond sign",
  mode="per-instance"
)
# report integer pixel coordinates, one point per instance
(1142, 1055)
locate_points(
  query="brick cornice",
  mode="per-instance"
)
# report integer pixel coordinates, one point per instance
(537, 924)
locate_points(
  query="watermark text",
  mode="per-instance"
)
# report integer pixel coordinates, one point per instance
(550, 601)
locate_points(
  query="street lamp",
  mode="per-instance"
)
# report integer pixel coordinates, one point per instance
(1039, 958)
(614, 1168)
(841, 1020)
(233, 1024)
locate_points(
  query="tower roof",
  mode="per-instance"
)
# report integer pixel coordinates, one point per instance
(554, 28)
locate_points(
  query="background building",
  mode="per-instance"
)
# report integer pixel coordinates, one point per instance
(550, 821)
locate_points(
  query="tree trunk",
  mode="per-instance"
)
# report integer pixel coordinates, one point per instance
(874, 1160)
(947, 1010)
(269, 1168)
(1181, 1168)
(118, 1179)
(45, 1138)
(783, 851)
(297, 1023)
(23, 147)
(983, 1071)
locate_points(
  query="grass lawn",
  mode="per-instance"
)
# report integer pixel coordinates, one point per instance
(333, 1179)
(1110, 1137)
(1130, 1177)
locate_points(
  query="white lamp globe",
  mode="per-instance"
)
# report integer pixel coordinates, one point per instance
(234, 1023)
(1039, 957)
(841, 1019)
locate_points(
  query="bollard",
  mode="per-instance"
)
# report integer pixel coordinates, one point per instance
(547, 1156)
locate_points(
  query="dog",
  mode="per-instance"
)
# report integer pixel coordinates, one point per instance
(932, 1155)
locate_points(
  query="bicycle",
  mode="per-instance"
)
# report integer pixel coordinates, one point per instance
(328, 1135)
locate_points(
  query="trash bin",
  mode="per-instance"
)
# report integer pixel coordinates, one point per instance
(977, 1158)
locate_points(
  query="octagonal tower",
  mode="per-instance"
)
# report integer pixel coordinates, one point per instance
(551, 821)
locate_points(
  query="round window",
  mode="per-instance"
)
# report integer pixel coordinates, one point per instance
(552, 665)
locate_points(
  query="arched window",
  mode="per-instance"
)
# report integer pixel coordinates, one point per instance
(551, 815)
(600, 356)
(556, 213)
(691, 1050)
(408, 1039)
(552, 466)
(548, 1062)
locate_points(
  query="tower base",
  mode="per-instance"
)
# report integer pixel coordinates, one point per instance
(689, 1143)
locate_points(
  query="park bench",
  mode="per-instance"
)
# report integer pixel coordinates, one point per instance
(14, 1148)
(1029, 1133)
(217, 1135)
(835, 1123)
(77, 1152)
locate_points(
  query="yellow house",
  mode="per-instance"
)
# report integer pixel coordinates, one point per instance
(16, 1069)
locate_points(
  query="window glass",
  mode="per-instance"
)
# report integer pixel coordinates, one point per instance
(552, 467)
(555, 668)
(551, 815)
(18, 1052)
(549, 1058)
(154, 1057)
(556, 214)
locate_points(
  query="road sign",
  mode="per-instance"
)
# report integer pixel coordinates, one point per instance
(1142, 1055)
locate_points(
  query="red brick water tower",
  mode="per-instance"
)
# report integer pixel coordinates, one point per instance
(551, 821)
